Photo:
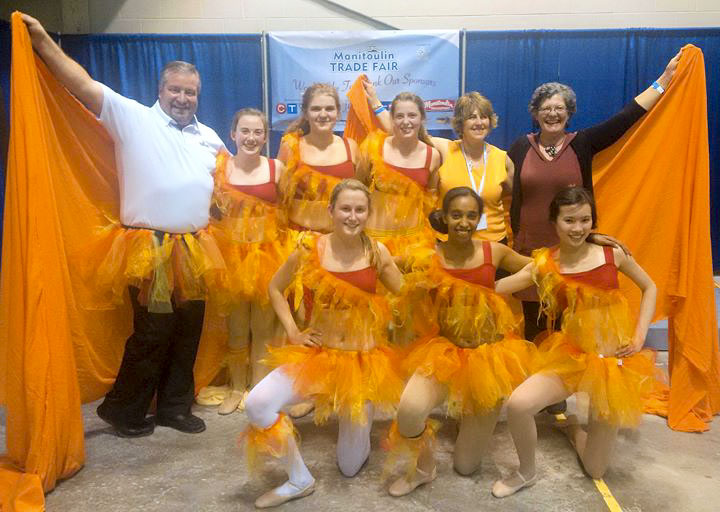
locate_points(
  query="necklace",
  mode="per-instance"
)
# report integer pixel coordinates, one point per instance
(552, 149)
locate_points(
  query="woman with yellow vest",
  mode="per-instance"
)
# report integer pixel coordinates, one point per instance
(472, 162)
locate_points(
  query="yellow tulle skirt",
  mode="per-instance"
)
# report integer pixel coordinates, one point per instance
(617, 387)
(478, 379)
(250, 267)
(166, 267)
(342, 381)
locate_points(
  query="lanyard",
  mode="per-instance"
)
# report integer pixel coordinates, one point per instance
(482, 224)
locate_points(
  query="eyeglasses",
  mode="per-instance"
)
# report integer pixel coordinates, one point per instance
(560, 109)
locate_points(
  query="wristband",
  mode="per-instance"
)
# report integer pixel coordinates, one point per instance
(380, 109)
(659, 88)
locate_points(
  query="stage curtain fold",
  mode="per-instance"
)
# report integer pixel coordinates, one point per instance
(59, 348)
(652, 190)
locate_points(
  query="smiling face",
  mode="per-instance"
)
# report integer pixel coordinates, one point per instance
(322, 112)
(407, 119)
(476, 127)
(552, 115)
(178, 96)
(573, 224)
(350, 212)
(462, 218)
(249, 134)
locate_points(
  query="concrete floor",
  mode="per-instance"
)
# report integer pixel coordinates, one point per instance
(653, 469)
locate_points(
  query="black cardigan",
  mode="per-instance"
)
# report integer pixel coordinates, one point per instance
(585, 144)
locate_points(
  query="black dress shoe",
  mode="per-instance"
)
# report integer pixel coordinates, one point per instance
(143, 428)
(183, 422)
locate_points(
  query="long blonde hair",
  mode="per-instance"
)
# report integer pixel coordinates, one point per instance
(409, 96)
(301, 122)
(369, 245)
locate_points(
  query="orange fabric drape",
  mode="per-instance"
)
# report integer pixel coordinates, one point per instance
(652, 189)
(55, 352)
(361, 120)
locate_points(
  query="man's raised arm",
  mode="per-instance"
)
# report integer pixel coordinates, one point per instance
(71, 74)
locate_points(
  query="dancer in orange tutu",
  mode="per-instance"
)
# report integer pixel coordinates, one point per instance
(316, 160)
(251, 234)
(475, 361)
(598, 349)
(401, 172)
(337, 353)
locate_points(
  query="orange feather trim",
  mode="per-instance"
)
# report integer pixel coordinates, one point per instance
(408, 449)
(271, 441)
(305, 191)
(347, 316)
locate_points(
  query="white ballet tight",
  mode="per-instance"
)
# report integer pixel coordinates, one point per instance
(275, 392)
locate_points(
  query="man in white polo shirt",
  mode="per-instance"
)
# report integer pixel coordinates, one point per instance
(165, 160)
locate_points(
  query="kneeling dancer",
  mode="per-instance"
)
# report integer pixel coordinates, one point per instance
(340, 358)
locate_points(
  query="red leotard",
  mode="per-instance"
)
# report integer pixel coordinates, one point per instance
(265, 191)
(421, 175)
(342, 170)
(483, 275)
(604, 277)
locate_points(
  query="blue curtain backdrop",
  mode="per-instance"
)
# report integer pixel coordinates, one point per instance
(605, 67)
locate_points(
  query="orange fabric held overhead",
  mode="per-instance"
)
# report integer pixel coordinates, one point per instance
(652, 189)
(61, 188)
(361, 120)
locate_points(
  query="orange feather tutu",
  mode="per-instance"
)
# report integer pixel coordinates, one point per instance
(341, 381)
(164, 266)
(478, 379)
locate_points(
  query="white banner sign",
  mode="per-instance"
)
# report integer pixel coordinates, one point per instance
(426, 62)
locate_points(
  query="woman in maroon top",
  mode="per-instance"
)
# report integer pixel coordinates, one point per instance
(252, 238)
(553, 158)
(597, 350)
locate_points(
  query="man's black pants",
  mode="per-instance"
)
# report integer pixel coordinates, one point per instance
(159, 357)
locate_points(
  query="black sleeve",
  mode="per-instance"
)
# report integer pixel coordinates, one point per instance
(608, 132)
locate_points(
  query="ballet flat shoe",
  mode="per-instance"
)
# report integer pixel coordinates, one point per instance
(301, 410)
(234, 401)
(272, 499)
(402, 486)
(502, 490)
